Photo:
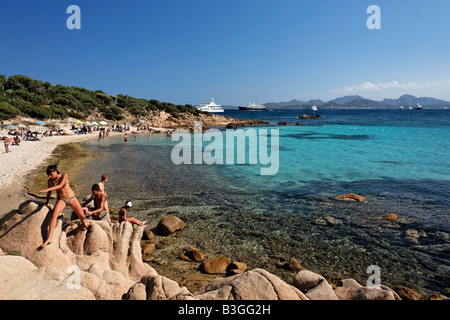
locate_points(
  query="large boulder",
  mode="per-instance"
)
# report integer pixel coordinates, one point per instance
(215, 265)
(23, 231)
(108, 260)
(350, 289)
(314, 286)
(22, 280)
(169, 224)
(257, 284)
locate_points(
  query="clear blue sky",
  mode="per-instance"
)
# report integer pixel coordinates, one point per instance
(235, 50)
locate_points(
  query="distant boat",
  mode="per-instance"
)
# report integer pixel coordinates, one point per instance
(419, 107)
(210, 107)
(252, 107)
(400, 107)
(314, 108)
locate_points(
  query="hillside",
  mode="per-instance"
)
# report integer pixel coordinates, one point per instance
(27, 97)
(358, 102)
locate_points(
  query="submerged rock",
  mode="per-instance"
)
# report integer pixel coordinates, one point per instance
(169, 224)
(350, 197)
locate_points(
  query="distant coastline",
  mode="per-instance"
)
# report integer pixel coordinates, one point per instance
(357, 102)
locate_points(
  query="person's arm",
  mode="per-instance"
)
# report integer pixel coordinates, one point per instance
(88, 200)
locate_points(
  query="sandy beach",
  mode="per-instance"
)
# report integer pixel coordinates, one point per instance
(23, 159)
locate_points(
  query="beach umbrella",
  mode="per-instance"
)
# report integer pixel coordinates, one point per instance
(42, 123)
(22, 126)
(141, 121)
(94, 123)
(103, 123)
(79, 122)
(10, 127)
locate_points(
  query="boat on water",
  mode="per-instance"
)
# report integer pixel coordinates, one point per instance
(400, 107)
(210, 107)
(419, 107)
(314, 108)
(252, 107)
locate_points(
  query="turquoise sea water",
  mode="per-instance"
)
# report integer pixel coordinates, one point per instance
(398, 160)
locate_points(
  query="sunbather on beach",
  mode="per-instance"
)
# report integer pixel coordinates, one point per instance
(59, 182)
(99, 199)
(123, 215)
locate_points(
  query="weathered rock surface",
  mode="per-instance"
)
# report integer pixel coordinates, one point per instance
(257, 284)
(106, 260)
(22, 280)
(350, 289)
(314, 286)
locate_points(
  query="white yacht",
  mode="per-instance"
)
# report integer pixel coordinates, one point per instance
(314, 108)
(419, 107)
(210, 107)
(252, 106)
(400, 107)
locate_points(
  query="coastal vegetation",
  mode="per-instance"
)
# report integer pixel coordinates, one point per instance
(24, 96)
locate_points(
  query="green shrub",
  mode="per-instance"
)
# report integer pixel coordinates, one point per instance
(8, 111)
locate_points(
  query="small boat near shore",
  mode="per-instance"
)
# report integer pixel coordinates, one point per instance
(252, 107)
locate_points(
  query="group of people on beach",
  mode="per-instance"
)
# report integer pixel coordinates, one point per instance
(66, 197)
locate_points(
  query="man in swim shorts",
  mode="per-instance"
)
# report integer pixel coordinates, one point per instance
(99, 198)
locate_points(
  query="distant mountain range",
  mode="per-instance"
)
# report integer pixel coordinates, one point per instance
(358, 102)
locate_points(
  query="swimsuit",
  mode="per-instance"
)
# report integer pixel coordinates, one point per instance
(67, 201)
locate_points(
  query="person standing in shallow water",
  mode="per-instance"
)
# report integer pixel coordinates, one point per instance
(59, 182)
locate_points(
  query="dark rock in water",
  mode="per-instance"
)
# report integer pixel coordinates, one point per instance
(195, 255)
(169, 224)
(350, 197)
(305, 116)
(216, 265)
(407, 294)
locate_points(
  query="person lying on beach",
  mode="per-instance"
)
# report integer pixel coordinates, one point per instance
(123, 215)
(59, 182)
(99, 198)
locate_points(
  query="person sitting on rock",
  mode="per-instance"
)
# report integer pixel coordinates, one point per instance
(99, 199)
(123, 215)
